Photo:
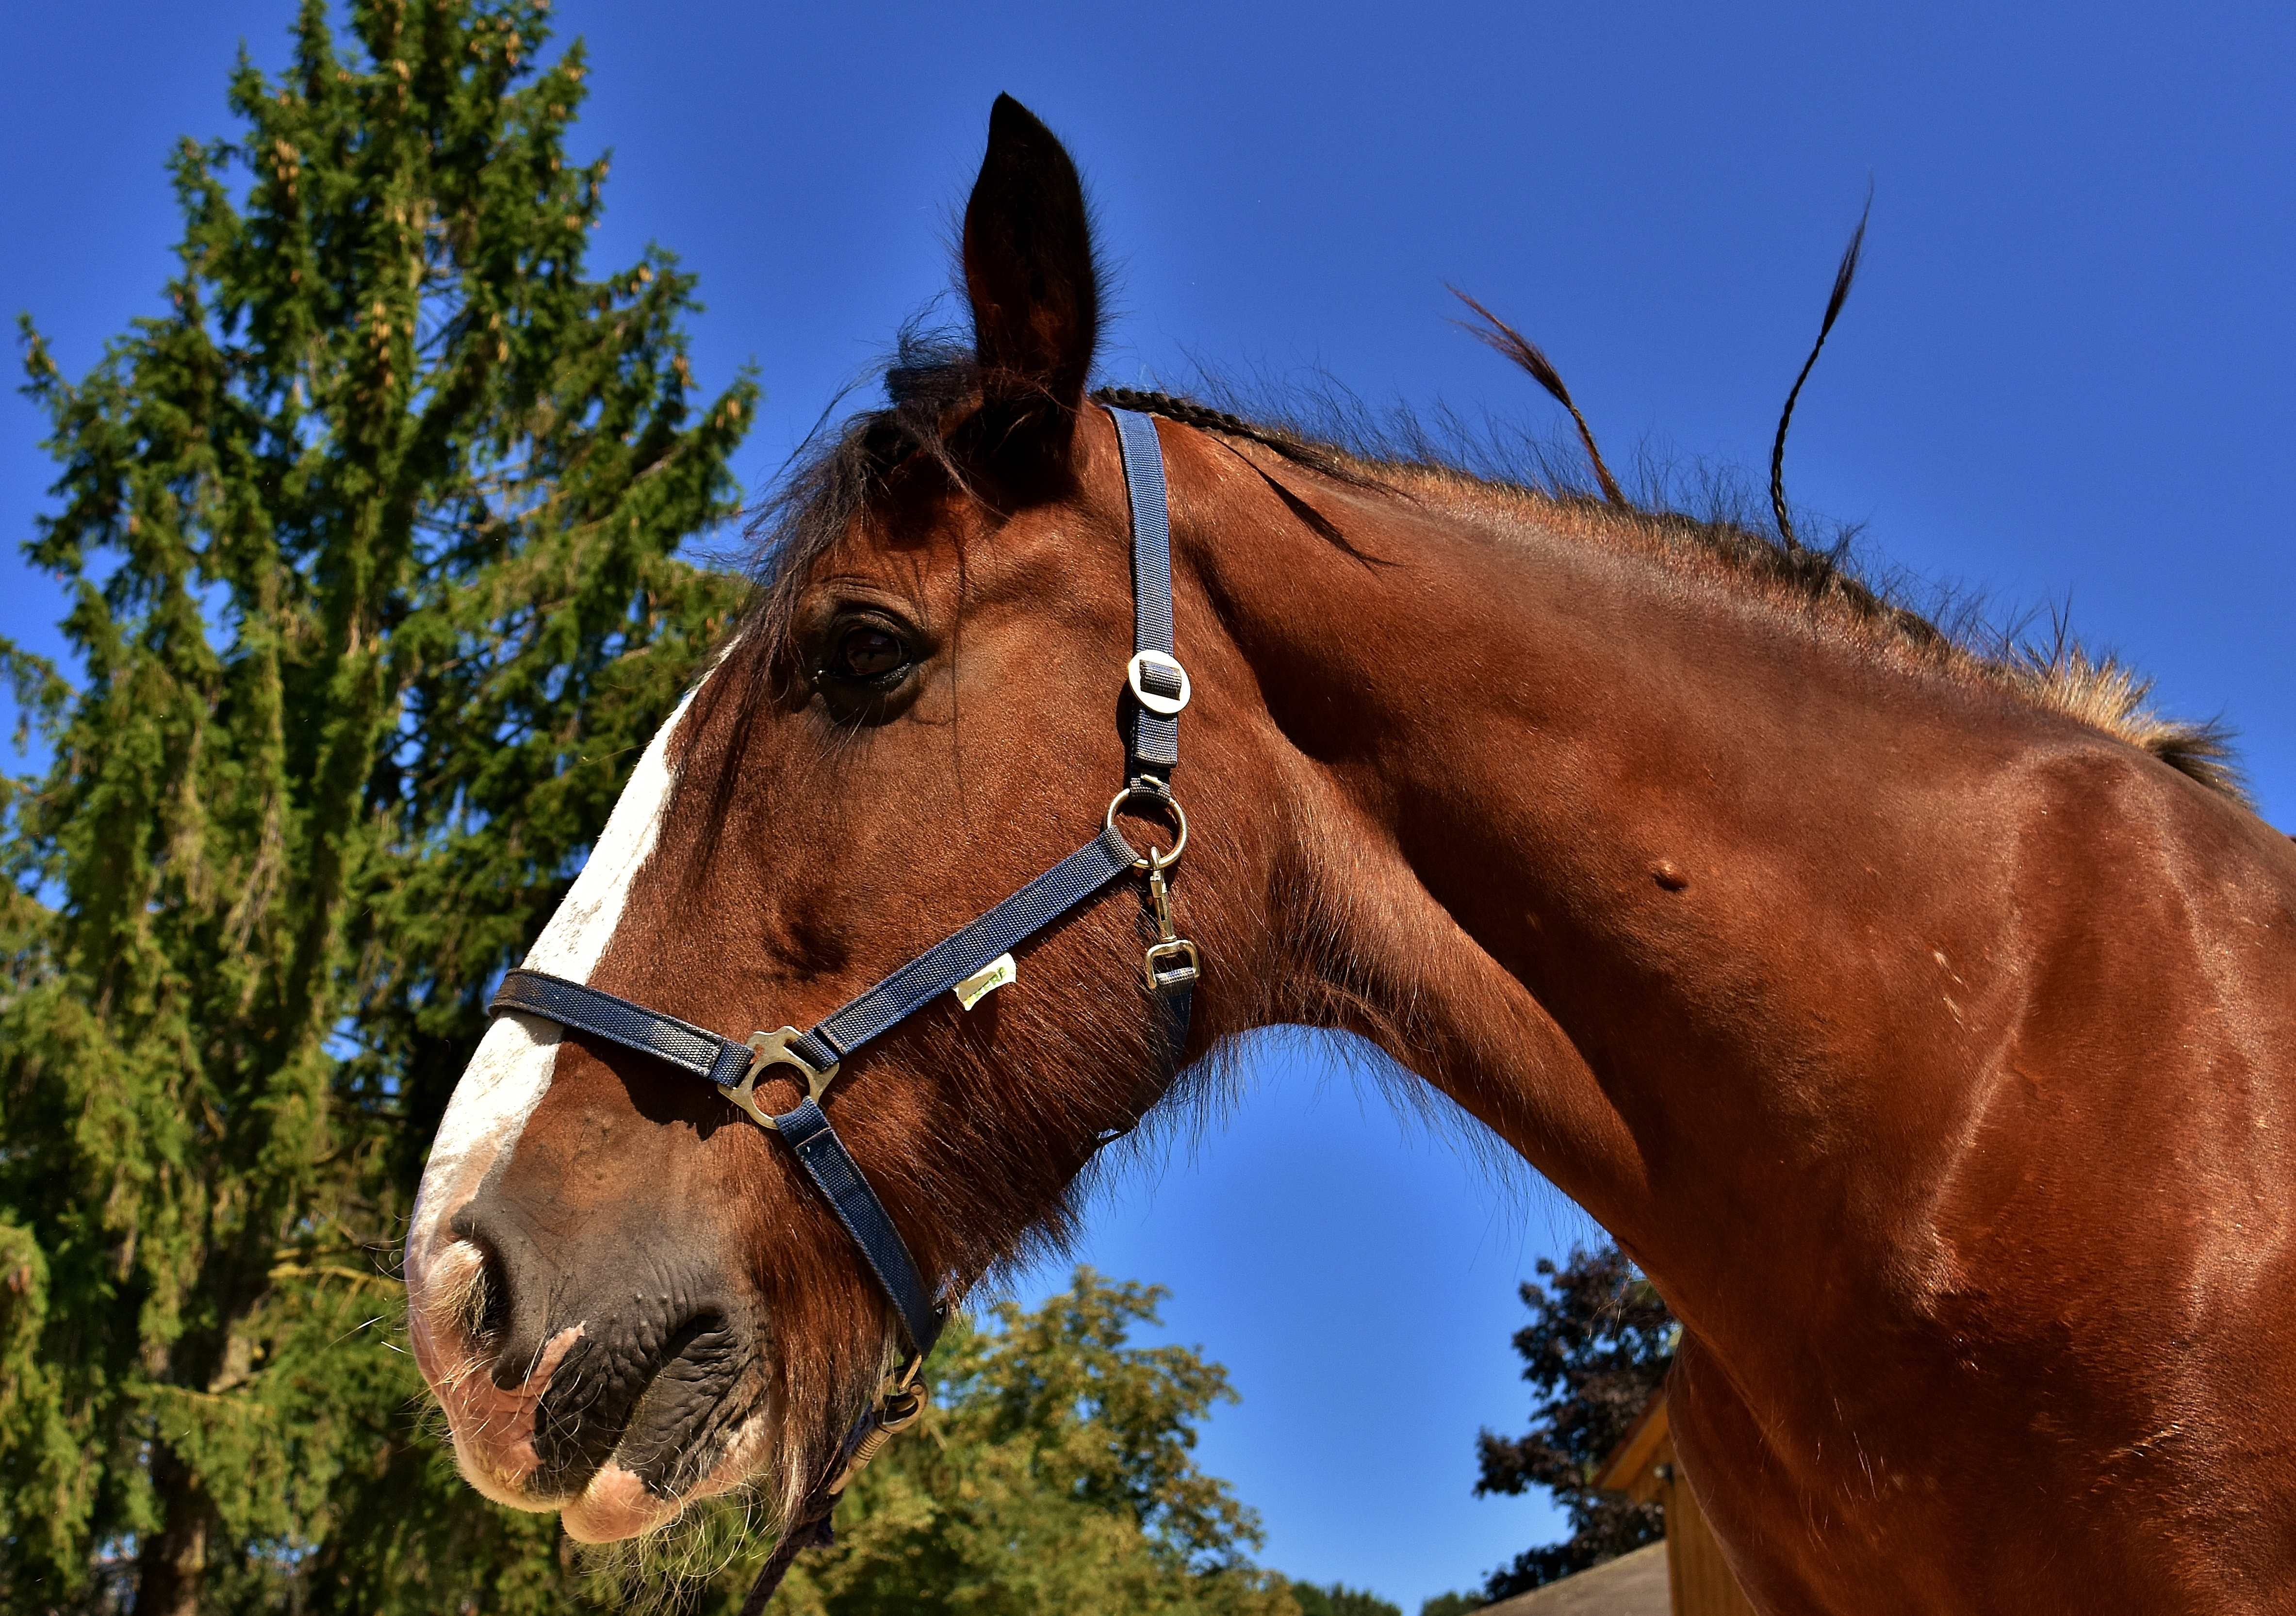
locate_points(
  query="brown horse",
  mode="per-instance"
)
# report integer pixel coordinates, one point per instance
(1924, 1023)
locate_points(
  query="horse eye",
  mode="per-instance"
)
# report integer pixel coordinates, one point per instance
(868, 653)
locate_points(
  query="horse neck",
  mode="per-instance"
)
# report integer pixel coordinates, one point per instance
(1630, 862)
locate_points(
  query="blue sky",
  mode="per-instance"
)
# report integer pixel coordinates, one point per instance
(2062, 384)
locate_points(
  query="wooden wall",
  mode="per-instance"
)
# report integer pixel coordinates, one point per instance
(1701, 1580)
(1645, 1470)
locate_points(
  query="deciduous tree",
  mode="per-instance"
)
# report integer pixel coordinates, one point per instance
(1338, 1599)
(1598, 1346)
(1053, 1473)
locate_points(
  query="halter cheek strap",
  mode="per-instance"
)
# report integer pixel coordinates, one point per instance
(1159, 690)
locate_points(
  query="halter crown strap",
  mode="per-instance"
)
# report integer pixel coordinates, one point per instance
(1159, 689)
(1159, 684)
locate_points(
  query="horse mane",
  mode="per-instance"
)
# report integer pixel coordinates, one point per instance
(932, 385)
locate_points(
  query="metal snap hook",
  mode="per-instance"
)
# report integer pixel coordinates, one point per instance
(1171, 961)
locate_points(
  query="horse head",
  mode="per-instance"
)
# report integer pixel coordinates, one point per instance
(625, 1292)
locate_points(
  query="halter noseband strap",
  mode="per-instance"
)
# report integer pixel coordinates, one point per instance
(1159, 689)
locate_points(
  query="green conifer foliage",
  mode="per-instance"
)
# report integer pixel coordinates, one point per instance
(370, 540)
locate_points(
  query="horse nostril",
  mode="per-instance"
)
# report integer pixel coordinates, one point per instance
(484, 1309)
(617, 1334)
(498, 1312)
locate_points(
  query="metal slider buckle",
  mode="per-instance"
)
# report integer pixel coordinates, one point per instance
(773, 1049)
(1178, 975)
(1163, 661)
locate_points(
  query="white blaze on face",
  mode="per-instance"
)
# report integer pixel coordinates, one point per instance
(508, 1075)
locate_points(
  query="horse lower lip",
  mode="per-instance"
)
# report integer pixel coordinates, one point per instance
(658, 1420)
(672, 1443)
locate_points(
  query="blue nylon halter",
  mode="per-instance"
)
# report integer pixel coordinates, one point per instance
(1158, 688)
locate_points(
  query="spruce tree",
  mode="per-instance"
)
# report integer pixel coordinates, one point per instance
(372, 542)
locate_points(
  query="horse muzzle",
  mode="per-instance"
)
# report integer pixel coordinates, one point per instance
(605, 1370)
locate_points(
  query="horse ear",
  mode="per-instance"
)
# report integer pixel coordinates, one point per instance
(1030, 275)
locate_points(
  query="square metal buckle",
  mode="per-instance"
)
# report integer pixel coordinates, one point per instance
(773, 1049)
(1156, 701)
(1175, 975)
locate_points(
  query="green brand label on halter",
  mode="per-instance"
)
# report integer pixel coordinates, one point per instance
(997, 974)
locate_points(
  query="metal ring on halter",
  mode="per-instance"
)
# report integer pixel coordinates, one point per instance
(1155, 860)
(773, 1050)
